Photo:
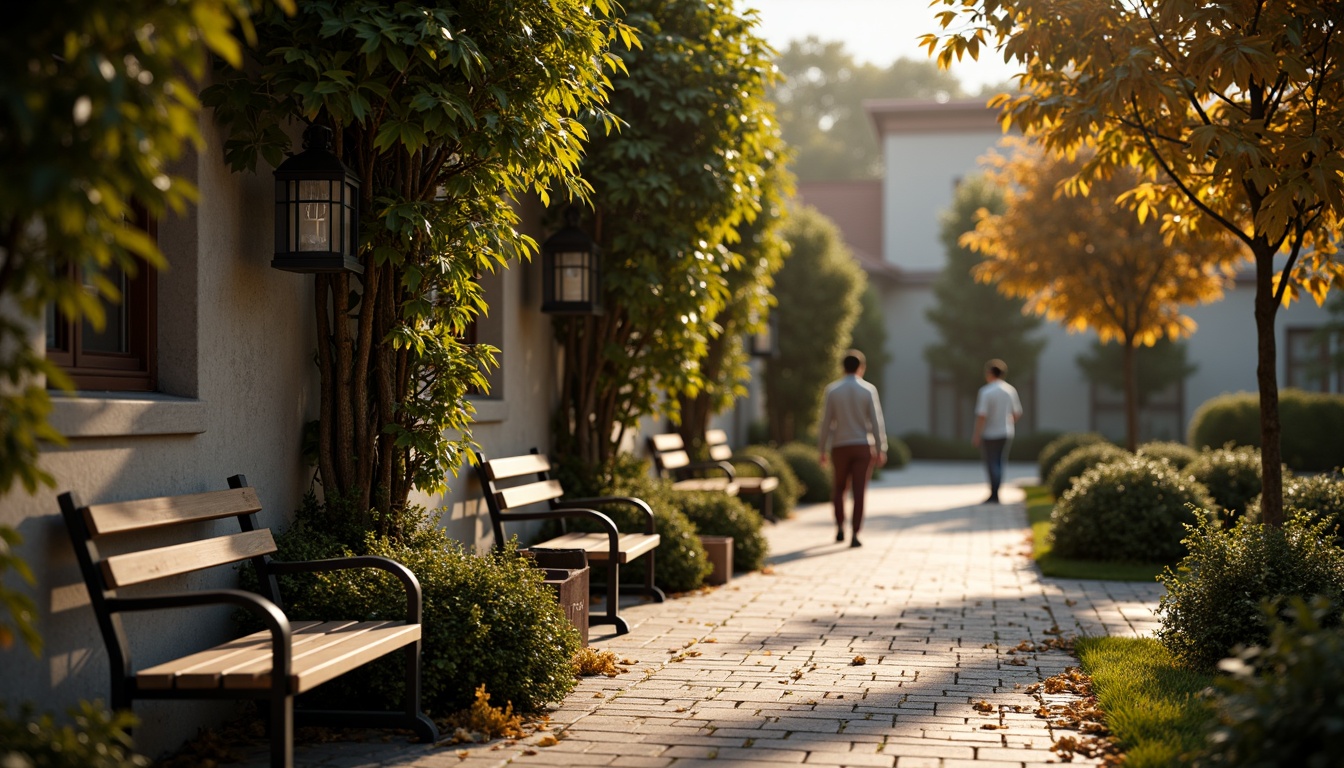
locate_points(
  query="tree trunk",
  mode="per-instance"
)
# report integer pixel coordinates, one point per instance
(1130, 371)
(1266, 374)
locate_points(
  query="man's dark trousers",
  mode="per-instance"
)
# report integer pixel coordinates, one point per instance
(994, 450)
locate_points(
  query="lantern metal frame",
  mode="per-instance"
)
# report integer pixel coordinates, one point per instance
(765, 343)
(316, 209)
(571, 270)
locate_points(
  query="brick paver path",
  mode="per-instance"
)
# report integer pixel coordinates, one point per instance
(762, 672)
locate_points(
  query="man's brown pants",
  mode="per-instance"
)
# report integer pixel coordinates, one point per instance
(852, 465)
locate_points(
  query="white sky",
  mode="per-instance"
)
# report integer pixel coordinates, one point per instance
(877, 31)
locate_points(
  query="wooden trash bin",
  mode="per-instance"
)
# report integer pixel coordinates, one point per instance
(720, 552)
(567, 573)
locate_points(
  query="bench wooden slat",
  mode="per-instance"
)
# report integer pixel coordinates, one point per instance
(522, 495)
(148, 565)
(214, 674)
(631, 545)
(716, 437)
(674, 459)
(516, 466)
(755, 485)
(712, 484)
(669, 441)
(203, 669)
(720, 452)
(340, 648)
(117, 517)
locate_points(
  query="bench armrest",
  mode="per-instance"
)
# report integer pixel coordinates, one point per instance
(608, 525)
(271, 615)
(639, 504)
(756, 460)
(409, 582)
(703, 466)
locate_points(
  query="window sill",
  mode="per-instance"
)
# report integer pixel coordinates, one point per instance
(108, 414)
(489, 411)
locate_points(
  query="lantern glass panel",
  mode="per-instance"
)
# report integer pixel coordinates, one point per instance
(315, 216)
(572, 276)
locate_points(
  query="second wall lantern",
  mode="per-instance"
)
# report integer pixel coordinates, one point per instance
(571, 282)
(316, 209)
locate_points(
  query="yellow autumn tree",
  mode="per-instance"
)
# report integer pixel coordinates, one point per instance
(1234, 107)
(1090, 263)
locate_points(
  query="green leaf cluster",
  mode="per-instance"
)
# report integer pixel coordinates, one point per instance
(97, 101)
(93, 738)
(449, 112)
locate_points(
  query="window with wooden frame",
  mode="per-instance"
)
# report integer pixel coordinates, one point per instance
(1313, 359)
(122, 356)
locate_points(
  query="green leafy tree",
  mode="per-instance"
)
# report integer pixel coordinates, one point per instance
(447, 110)
(1234, 109)
(725, 369)
(817, 293)
(869, 335)
(820, 105)
(1157, 368)
(98, 99)
(672, 189)
(975, 322)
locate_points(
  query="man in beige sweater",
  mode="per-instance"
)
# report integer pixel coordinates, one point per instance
(856, 436)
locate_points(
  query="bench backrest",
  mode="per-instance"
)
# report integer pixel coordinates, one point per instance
(668, 452)
(513, 482)
(716, 440)
(91, 525)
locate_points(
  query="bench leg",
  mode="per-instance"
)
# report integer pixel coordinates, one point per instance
(768, 506)
(282, 731)
(649, 588)
(417, 721)
(612, 615)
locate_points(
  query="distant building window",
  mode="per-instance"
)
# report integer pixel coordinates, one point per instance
(1314, 357)
(1161, 416)
(122, 356)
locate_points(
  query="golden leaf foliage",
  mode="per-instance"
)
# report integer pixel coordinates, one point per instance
(1095, 255)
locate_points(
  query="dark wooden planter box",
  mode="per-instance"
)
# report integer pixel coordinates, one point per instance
(720, 551)
(567, 573)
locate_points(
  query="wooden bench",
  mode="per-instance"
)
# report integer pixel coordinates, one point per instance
(524, 481)
(276, 664)
(716, 440)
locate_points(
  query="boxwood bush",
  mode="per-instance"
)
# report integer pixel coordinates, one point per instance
(1279, 704)
(1213, 600)
(1232, 476)
(1311, 421)
(1320, 497)
(715, 514)
(1132, 509)
(790, 489)
(488, 619)
(898, 453)
(926, 446)
(805, 461)
(1078, 461)
(1178, 455)
(1062, 446)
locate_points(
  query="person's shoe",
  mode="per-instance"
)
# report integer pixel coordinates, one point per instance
(854, 541)
(992, 500)
(839, 534)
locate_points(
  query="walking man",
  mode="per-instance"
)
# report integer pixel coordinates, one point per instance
(997, 410)
(853, 429)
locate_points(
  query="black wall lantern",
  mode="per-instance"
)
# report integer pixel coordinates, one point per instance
(316, 209)
(571, 275)
(765, 342)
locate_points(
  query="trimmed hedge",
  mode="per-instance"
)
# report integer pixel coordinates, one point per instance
(1062, 446)
(1177, 455)
(1028, 447)
(898, 453)
(925, 446)
(805, 461)
(715, 514)
(1078, 461)
(1320, 497)
(1132, 509)
(1312, 424)
(1232, 476)
(786, 496)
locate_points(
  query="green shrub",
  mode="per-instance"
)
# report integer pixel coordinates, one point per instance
(1078, 461)
(805, 461)
(930, 447)
(1232, 476)
(1132, 509)
(1028, 446)
(1062, 446)
(1311, 422)
(1213, 599)
(898, 453)
(790, 489)
(1178, 455)
(1279, 704)
(1320, 497)
(714, 514)
(94, 738)
(487, 619)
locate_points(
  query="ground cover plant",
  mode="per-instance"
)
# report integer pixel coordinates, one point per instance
(1214, 596)
(1133, 509)
(1153, 705)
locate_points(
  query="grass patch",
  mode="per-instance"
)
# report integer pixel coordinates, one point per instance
(1039, 504)
(1152, 704)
